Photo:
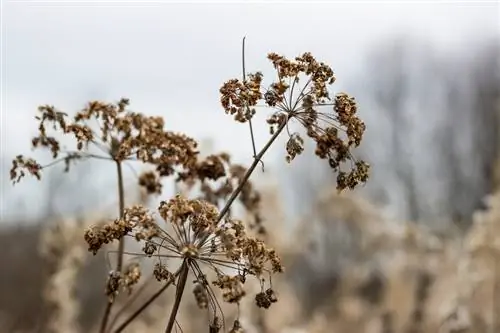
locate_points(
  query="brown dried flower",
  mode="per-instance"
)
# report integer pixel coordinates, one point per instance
(122, 135)
(200, 240)
(150, 182)
(195, 230)
(335, 132)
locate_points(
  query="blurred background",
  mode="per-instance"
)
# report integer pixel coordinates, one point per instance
(414, 250)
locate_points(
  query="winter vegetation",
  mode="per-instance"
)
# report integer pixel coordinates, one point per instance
(396, 230)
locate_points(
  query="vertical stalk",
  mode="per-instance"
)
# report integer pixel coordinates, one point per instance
(181, 284)
(121, 200)
(121, 245)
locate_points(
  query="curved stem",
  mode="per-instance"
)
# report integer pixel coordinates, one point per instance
(178, 295)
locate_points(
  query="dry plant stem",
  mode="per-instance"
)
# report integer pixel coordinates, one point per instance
(249, 172)
(182, 271)
(144, 306)
(121, 195)
(129, 303)
(247, 175)
(121, 244)
(178, 295)
(254, 150)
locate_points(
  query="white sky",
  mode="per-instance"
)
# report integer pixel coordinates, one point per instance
(170, 59)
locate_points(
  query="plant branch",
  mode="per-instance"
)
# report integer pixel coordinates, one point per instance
(130, 301)
(181, 284)
(121, 196)
(247, 107)
(121, 244)
(249, 172)
(145, 305)
(247, 175)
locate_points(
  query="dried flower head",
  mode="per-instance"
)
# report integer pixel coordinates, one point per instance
(118, 281)
(194, 234)
(122, 135)
(300, 93)
(151, 182)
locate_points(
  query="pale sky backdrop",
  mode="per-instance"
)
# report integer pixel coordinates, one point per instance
(171, 58)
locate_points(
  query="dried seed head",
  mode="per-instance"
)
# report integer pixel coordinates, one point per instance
(200, 295)
(161, 273)
(149, 248)
(113, 284)
(122, 134)
(20, 164)
(97, 236)
(335, 133)
(232, 288)
(237, 96)
(271, 295)
(150, 182)
(237, 328)
(131, 276)
(294, 146)
(262, 300)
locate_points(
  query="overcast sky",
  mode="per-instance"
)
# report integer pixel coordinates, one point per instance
(170, 59)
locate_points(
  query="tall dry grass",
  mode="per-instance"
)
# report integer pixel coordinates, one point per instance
(401, 278)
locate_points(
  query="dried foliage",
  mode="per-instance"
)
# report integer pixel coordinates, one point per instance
(199, 236)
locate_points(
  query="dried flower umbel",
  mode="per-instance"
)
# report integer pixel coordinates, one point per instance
(120, 136)
(335, 132)
(200, 235)
(194, 234)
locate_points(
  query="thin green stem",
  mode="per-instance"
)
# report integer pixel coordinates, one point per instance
(181, 284)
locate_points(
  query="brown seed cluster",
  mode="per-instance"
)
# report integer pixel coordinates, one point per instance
(161, 273)
(135, 219)
(231, 286)
(121, 134)
(151, 182)
(201, 296)
(218, 178)
(266, 298)
(238, 97)
(22, 164)
(193, 233)
(118, 281)
(301, 94)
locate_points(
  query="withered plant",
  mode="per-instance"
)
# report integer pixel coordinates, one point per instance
(199, 235)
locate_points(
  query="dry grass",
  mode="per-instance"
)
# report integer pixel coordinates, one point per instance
(399, 280)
